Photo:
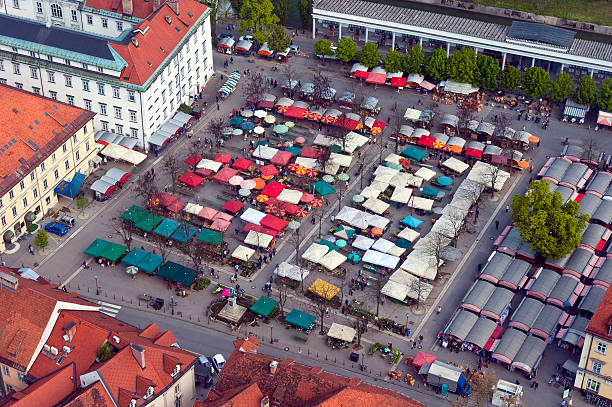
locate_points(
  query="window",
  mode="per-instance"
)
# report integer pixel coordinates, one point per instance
(116, 93)
(33, 54)
(70, 99)
(119, 26)
(53, 157)
(197, 55)
(36, 90)
(56, 174)
(593, 385)
(35, 193)
(77, 155)
(3, 220)
(2, 81)
(9, 388)
(89, 20)
(53, 94)
(177, 388)
(601, 348)
(132, 116)
(67, 165)
(42, 166)
(131, 96)
(33, 72)
(2, 65)
(74, 137)
(87, 146)
(11, 195)
(48, 200)
(100, 89)
(103, 109)
(85, 85)
(6, 371)
(22, 185)
(14, 211)
(68, 80)
(51, 76)
(16, 69)
(15, 3)
(84, 65)
(189, 64)
(45, 184)
(87, 104)
(133, 133)
(117, 112)
(49, 58)
(104, 125)
(19, 85)
(64, 148)
(596, 368)
(25, 202)
(32, 176)
(67, 61)
(104, 22)
(39, 8)
(119, 129)
(56, 11)
(21, 377)
(100, 69)
(84, 131)
(73, 15)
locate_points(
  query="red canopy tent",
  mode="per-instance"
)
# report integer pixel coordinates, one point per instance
(242, 164)
(422, 358)
(427, 85)
(220, 225)
(176, 206)
(361, 74)
(193, 160)
(232, 206)
(190, 179)
(204, 172)
(349, 124)
(398, 82)
(426, 141)
(224, 216)
(208, 213)
(376, 78)
(296, 112)
(268, 170)
(251, 226)
(310, 152)
(223, 158)
(281, 158)
(306, 197)
(225, 174)
(377, 127)
(472, 152)
(290, 208)
(273, 222)
(166, 199)
(273, 189)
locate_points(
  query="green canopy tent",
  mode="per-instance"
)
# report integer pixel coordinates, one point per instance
(394, 166)
(166, 227)
(145, 261)
(210, 236)
(184, 233)
(147, 222)
(105, 249)
(177, 273)
(295, 151)
(329, 244)
(323, 188)
(300, 319)
(264, 306)
(414, 153)
(134, 213)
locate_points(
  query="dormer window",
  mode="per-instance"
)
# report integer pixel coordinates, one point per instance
(176, 370)
(149, 392)
(610, 330)
(133, 403)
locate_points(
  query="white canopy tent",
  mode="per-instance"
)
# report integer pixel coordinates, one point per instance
(456, 165)
(362, 242)
(425, 173)
(209, 164)
(192, 208)
(386, 246)
(315, 252)
(252, 215)
(393, 158)
(325, 141)
(307, 162)
(370, 192)
(341, 332)
(418, 202)
(420, 264)
(376, 205)
(243, 253)
(380, 259)
(258, 239)
(484, 173)
(332, 260)
(401, 195)
(265, 152)
(291, 271)
(342, 160)
(409, 234)
(290, 195)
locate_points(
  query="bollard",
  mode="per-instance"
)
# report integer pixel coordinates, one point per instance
(122, 300)
(105, 294)
(131, 301)
(326, 356)
(198, 318)
(352, 365)
(344, 363)
(114, 297)
(87, 289)
(190, 317)
(78, 287)
(335, 359)
(317, 355)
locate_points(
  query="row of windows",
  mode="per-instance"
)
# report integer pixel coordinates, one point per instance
(56, 12)
(17, 70)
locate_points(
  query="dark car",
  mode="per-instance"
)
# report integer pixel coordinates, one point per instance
(56, 228)
(204, 372)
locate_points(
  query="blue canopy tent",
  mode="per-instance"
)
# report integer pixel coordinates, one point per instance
(184, 233)
(414, 153)
(300, 319)
(145, 261)
(70, 189)
(411, 221)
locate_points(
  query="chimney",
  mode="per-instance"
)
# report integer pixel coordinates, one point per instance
(70, 331)
(135, 41)
(156, 4)
(173, 4)
(273, 367)
(139, 354)
(168, 18)
(127, 7)
(265, 402)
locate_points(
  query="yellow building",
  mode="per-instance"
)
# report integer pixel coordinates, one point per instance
(42, 143)
(595, 367)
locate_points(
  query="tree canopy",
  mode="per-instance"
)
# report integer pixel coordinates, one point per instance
(369, 55)
(346, 50)
(323, 47)
(282, 9)
(536, 81)
(279, 40)
(551, 227)
(305, 9)
(259, 18)
(510, 77)
(586, 92)
(604, 95)
(562, 88)
(437, 65)
(414, 60)
(487, 72)
(462, 66)
(392, 62)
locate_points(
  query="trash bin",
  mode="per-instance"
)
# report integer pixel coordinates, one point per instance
(354, 357)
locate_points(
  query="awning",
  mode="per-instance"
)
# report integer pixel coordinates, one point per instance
(226, 42)
(145, 261)
(264, 306)
(575, 110)
(291, 271)
(105, 249)
(324, 289)
(342, 332)
(604, 118)
(243, 253)
(210, 236)
(166, 227)
(300, 319)
(102, 187)
(177, 273)
(71, 188)
(398, 82)
(190, 179)
(230, 84)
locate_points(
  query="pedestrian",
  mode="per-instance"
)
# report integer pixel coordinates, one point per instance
(153, 251)
(536, 384)
(218, 108)
(496, 224)
(477, 213)
(507, 208)
(538, 143)
(31, 249)
(479, 267)
(479, 365)
(486, 362)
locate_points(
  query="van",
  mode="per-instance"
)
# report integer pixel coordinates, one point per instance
(65, 220)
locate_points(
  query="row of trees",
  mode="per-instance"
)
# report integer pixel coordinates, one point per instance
(282, 9)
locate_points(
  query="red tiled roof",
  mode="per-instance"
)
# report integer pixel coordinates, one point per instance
(158, 41)
(151, 331)
(48, 391)
(141, 8)
(165, 339)
(93, 395)
(601, 320)
(20, 110)
(249, 344)
(249, 397)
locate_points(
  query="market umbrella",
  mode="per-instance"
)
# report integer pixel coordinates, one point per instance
(280, 129)
(358, 198)
(290, 124)
(353, 257)
(269, 119)
(341, 243)
(262, 198)
(237, 132)
(377, 231)
(404, 162)
(235, 180)
(247, 184)
(456, 149)
(301, 213)
(293, 166)
(247, 113)
(267, 177)
(328, 178)
(438, 144)
(236, 121)
(300, 140)
(259, 130)
(244, 192)
(260, 114)
(523, 164)
(533, 139)
(301, 170)
(316, 203)
(226, 131)
(131, 270)
(343, 176)
(311, 172)
(275, 210)
(248, 126)
(259, 183)
(306, 197)
(445, 181)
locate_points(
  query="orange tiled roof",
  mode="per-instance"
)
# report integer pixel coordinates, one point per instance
(165, 339)
(48, 391)
(93, 395)
(602, 318)
(141, 8)
(158, 41)
(249, 344)
(249, 397)
(25, 116)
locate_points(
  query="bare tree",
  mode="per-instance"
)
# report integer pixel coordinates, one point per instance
(214, 128)
(482, 387)
(419, 287)
(195, 254)
(432, 246)
(341, 189)
(381, 146)
(146, 188)
(321, 305)
(460, 402)
(321, 83)
(323, 158)
(319, 214)
(361, 326)
(295, 239)
(465, 115)
(172, 167)
(455, 223)
(195, 148)
(361, 160)
(501, 121)
(283, 291)
(378, 286)
(397, 121)
(491, 176)
(472, 191)
(255, 86)
(590, 147)
(288, 71)
(160, 243)
(124, 228)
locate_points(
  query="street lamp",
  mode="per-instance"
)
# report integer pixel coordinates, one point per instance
(271, 337)
(97, 287)
(172, 303)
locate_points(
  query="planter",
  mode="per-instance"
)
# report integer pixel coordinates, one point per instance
(32, 228)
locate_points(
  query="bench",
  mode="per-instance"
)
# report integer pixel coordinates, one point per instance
(301, 337)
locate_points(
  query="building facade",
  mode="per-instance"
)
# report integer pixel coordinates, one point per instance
(132, 62)
(43, 142)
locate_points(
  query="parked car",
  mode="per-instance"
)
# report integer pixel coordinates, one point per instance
(294, 49)
(204, 372)
(218, 362)
(246, 38)
(56, 228)
(66, 220)
(224, 35)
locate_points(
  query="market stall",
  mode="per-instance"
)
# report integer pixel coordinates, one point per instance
(340, 336)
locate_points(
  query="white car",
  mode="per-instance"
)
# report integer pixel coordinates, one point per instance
(294, 49)
(218, 362)
(246, 38)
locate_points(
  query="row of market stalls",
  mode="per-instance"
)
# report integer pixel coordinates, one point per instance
(102, 188)
(171, 129)
(378, 76)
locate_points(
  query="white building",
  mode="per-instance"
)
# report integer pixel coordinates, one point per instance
(133, 62)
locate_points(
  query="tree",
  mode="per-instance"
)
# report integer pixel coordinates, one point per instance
(361, 326)
(279, 40)
(462, 66)
(369, 55)
(236, 5)
(465, 114)
(414, 61)
(104, 352)
(488, 72)
(321, 83)
(591, 150)
(585, 92)
(482, 387)
(510, 78)
(305, 9)
(490, 177)
(82, 202)
(501, 121)
(341, 189)
(282, 9)
(392, 62)
(323, 47)
(320, 304)
(420, 288)
(147, 190)
(346, 50)
(604, 95)
(432, 245)
(283, 291)
(41, 240)
(255, 86)
(160, 243)
(535, 81)
(437, 65)
(214, 128)
(473, 193)
(397, 121)
(195, 147)
(562, 88)
(258, 17)
(378, 286)
(172, 167)
(551, 227)
(123, 228)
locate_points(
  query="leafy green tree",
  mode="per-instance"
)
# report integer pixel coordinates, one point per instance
(346, 50)
(282, 9)
(415, 60)
(82, 202)
(369, 55)
(42, 239)
(437, 65)
(604, 96)
(535, 81)
(510, 78)
(305, 9)
(236, 5)
(488, 72)
(462, 66)
(392, 62)
(258, 17)
(562, 88)
(279, 40)
(551, 227)
(586, 92)
(323, 47)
